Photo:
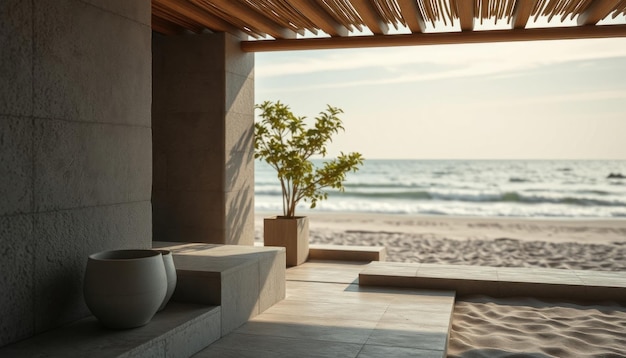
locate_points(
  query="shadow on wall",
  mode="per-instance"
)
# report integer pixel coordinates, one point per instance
(239, 178)
(239, 145)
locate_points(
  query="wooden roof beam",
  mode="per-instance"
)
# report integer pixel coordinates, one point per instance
(465, 9)
(447, 38)
(412, 15)
(256, 20)
(314, 12)
(597, 10)
(370, 17)
(521, 13)
(200, 16)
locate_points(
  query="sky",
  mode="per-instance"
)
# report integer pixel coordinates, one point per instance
(524, 100)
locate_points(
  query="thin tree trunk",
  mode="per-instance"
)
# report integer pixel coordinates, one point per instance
(285, 196)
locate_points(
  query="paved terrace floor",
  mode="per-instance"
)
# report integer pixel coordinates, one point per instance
(327, 314)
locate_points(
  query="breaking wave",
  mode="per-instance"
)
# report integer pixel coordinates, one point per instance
(480, 188)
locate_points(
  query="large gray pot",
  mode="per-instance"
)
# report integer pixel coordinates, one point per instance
(125, 288)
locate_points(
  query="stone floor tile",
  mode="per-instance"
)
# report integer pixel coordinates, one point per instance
(422, 297)
(321, 274)
(374, 351)
(285, 347)
(330, 310)
(314, 290)
(391, 269)
(232, 352)
(340, 330)
(425, 326)
(341, 294)
(408, 339)
(418, 317)
(418, 307)
(353, 293)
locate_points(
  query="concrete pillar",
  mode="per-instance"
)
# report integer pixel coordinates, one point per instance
(203, 127)
(75, 150)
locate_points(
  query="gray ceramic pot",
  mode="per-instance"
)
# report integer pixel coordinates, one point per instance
(125, 288)
(170, 272)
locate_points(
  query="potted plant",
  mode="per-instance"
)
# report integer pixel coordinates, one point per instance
(287, 144)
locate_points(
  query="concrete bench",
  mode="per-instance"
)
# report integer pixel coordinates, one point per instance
(243, 280)
(499, 281)
(180, 330)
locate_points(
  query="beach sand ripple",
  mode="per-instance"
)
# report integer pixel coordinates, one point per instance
(526, 327)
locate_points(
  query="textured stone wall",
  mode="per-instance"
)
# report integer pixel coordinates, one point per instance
(75, 150)
(203, 126)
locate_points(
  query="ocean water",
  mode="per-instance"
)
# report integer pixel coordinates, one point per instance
(506, 188)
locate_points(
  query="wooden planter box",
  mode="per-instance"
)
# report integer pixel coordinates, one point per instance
(290, 233)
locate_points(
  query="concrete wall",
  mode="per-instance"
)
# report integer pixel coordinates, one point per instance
(203, 127)
(75, 150)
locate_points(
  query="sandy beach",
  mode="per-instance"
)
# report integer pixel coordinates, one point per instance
(488, 327)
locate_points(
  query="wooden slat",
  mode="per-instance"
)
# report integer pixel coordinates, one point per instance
(446, 13)
(621, 9)
(370, 17)
(465, 10)
(412, 15)
(564, 33)
(252, 17)
(282, 14)
(318, 16)
(427, 12)
(596, 11)
(389, 12)
(200, 16)
(521, 12)
(341, 12)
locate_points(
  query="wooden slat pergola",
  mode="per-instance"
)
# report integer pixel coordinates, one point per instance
(274, 25)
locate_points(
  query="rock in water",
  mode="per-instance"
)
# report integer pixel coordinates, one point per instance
(616, 176)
